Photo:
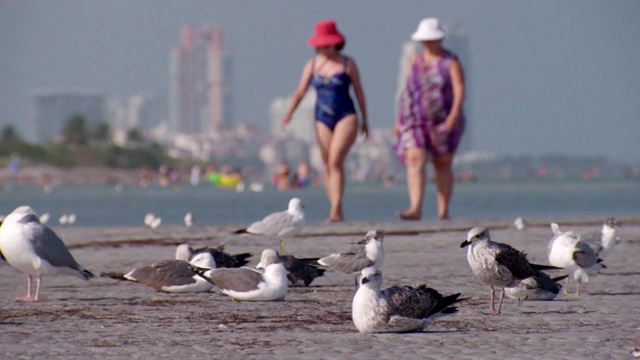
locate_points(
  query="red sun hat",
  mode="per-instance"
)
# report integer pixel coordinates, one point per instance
(326, 34)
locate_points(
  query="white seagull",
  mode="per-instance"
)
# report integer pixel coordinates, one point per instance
(497, 264)
(282, 223)
(173, 276)
(298, 270)
(189, 220)
(366, 252)
(249, 284)
(577, 257)
(396, 309)
(36, 250)
(223, 259)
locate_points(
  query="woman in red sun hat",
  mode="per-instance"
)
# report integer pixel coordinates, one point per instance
(332, 74)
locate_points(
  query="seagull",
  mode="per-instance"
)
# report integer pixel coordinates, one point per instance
(283, 223)
(520, 223)
(497, 264)
(148, 219)
(538, 287)
(44, 218)
(174, 276)
(396, 309)
(567, 251)
(299, 270)
(188, 220)
(366, 252)
(602, 241)
(636, 351)
(249, 284)
(223, 260)
(34, 249)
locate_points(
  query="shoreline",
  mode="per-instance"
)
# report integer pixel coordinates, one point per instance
(106, 318)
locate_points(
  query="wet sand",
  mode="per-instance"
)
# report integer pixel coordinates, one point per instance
(104, 318)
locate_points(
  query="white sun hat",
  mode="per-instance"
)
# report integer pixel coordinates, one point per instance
(428, 29)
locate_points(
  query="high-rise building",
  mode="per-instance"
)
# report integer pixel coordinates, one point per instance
(199, 96)
(52, 108)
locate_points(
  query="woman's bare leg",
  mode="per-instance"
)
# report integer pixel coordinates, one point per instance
(416, 181)
(444, 183)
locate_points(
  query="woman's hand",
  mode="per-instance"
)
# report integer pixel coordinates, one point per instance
(285, 121)
(365, 129)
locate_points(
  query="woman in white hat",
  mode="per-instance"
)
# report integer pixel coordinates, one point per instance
(430, 122)
(332, 75)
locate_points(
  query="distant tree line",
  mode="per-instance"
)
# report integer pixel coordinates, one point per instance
(82, 145)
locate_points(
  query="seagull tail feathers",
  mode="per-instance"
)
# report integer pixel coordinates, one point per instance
(241, 231)
(241, 259)
(545, 267)
(200, 272)
(444, 306)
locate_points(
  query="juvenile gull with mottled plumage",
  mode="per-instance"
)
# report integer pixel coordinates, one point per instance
(223, 259)
(497, 264)
(396, 309)
(298, 270)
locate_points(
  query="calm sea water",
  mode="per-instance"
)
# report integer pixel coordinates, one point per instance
(102, 205)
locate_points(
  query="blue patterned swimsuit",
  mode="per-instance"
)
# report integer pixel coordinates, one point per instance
(334, 101)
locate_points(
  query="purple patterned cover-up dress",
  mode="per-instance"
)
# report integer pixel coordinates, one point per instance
(424, 105)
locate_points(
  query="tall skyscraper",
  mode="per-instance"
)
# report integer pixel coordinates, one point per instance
(199, 96)
(52, 108)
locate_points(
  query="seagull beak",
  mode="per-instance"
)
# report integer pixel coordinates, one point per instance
(364, 280)
(465, 243)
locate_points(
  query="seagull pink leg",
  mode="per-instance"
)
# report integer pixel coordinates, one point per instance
(39, 281)
(501, 300)
(27, 298)
(493, 307)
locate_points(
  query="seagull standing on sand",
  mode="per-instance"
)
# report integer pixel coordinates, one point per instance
(567, 251)
(396, 309)
(188, 220)
(36, 250)
(283, 223)
(366, 252)
(298, 269)
(223, 260)
(173, 276)
(249, 284)
(497, 264)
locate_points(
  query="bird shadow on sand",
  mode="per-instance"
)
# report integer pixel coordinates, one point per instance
(556, 312)
(615, 294)
(635, 273)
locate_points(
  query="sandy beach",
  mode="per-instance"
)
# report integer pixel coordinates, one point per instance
(104, 318)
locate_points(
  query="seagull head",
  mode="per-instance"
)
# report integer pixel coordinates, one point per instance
(370, 277)
(478, 233)
(295, 206)
(22, 214)
(183, 252)
(269, 256)
(372, 235)
(611, 223)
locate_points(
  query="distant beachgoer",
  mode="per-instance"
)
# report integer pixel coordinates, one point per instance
(303, 176)
(281, 177)
(430, 122)
(332, 74)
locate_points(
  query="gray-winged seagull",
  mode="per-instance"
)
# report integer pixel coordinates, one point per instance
(604, 240)
(174, 276)
(36, 250)
(282, 223)
(538, 287)
(299, 270)
(396, 309)
(249, 284)
(223, 259)
(497, 264)
(366, 252)
(577, 257)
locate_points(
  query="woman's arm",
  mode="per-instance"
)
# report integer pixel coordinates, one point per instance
(357, 88)
(457, 84)
(297, 96)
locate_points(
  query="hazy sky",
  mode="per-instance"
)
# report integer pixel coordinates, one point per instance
(542, 76)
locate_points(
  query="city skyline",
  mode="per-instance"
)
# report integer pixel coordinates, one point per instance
(543, 78)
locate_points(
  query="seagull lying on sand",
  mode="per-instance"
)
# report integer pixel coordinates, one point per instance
(366, 252)
(538, 287)
(223, 260)
(36, 250)
(602, 241)
(567, 251)
(249, 284)
(283, 223)
(497, 264)
(174, 276)
(299, 270)
(520, 223)
(396, 309)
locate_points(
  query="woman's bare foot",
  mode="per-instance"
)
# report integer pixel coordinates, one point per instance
(407, 215)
